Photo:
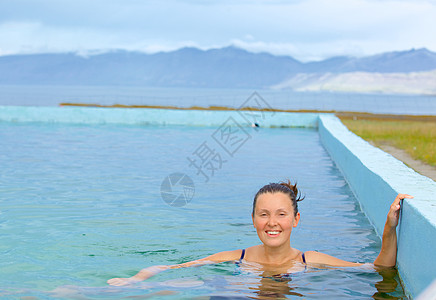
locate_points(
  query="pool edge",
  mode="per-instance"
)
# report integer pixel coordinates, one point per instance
(375, 178)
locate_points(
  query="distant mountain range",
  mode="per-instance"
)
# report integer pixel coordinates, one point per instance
(228, 67)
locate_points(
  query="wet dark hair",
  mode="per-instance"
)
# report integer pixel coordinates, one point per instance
(286, 188)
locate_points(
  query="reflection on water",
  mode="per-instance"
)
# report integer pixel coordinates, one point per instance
(253, 283)
(388, 284)
(320, 282)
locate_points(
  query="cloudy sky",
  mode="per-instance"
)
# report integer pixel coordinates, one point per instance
(305, 29)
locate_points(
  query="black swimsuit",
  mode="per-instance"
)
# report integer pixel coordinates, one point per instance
(243, 255)
(278, 277)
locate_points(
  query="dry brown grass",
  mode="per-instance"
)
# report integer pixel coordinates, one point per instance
(416, 137)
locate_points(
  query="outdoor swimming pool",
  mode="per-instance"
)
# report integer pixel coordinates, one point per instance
(82, 203)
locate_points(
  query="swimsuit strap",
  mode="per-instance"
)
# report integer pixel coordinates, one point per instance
(241, 258)
(242, 255)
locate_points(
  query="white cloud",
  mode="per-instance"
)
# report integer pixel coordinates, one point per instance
(310, 29)
(258, 46)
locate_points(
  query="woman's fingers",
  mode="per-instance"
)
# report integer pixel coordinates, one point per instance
(119, 281)
(403, 196)
(113, 281)
(396, 204)
(394, 214)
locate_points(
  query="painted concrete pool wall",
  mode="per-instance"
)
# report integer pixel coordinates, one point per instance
(151, 116)
(376, 178)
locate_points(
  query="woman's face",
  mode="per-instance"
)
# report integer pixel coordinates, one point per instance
(274, 219)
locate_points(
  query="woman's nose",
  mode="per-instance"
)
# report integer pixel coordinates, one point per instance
(272, 221)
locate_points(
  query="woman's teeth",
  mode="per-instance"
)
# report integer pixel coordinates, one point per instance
(273, 232)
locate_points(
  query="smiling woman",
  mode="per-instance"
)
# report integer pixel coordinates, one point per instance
(275, 214)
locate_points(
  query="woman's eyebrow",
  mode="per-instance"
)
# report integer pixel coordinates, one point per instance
(278, 209)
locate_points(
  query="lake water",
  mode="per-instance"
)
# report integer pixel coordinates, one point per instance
(374, 103)
(82, 203)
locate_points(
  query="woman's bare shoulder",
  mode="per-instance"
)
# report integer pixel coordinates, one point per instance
(231, 255)
(316, 257)
(224, 256)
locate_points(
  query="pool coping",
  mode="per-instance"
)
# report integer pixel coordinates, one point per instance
(375, 178)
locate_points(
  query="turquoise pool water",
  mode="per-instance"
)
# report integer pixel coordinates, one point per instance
(82, 204)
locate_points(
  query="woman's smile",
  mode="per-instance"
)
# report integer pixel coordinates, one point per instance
(273, 233)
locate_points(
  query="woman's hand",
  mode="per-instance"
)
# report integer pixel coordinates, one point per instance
(142, 275)
(122, 281)
(394, 211)
(388, 253)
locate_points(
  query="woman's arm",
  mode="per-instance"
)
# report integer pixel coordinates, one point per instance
(315, 257)
(151, 271)
(388, 253)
